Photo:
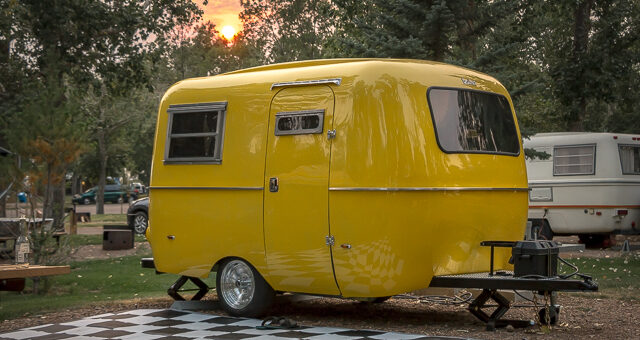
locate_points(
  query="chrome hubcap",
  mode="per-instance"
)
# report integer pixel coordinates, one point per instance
(140, 224)
(237, 284)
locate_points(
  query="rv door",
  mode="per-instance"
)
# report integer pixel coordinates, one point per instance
(296, 221)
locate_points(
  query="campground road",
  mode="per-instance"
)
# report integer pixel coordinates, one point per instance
(109, 208)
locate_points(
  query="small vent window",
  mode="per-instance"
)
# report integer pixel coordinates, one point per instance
(299, 122)
(195, 133)
(630, 159)
(574, 160)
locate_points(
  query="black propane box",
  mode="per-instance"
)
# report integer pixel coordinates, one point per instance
(538, 258)
(117, 237)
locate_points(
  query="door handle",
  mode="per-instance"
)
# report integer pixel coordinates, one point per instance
(273, 184)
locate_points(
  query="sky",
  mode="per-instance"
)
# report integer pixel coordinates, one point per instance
(223, 13)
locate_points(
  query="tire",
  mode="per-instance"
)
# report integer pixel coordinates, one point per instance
(241, 289)
(553, 315)
(375, 300)
(86, 201)
(541, 230)
(140, 222)
(381, 299)
(120, 200)
(593, 240)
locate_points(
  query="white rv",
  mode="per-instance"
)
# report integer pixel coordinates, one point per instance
(589, 186)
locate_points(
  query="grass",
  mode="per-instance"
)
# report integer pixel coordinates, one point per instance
(616, 277)
(90, 282)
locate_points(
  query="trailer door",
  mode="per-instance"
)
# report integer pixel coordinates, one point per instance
(296, 221)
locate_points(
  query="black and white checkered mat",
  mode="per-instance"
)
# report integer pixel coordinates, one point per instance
(168, 324)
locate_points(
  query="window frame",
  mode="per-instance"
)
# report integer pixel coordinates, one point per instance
(593, 145)
(319, 129)
(435, 127)
(178, 109)
(620, 157)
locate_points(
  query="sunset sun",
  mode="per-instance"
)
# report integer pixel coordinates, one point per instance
(228, 32)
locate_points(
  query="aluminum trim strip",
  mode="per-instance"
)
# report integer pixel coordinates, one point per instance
(336, 81)
(603, 181)
(197, 107)
(583, 206)
(425, 189)
(208, 188)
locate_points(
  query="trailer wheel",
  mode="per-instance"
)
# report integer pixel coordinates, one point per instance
(380, 299)
(541, 230)
(553, 317)
(374, 300)
(592, 240)
(241, 289)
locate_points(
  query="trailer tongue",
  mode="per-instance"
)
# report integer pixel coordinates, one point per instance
(535, 269)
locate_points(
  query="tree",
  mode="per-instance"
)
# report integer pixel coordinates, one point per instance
(287, 30)
(58, 49)
(411, 28)
(587, 52)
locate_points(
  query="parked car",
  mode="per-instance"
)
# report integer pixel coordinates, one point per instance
(112, 193)
(137, 188)
(137, 215)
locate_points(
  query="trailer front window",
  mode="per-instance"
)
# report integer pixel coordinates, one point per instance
(195, 133)
(473, 122)
(574, 160)
(630, 159)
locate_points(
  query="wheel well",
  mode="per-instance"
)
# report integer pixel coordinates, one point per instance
(140, 210)
(216, 266)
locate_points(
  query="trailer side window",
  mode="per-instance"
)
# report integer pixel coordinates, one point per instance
(299, 122)
(630, 159)
(574, 160)
(473, 122)
(195, 133)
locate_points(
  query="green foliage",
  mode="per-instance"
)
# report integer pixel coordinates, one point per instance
(411, 29)
(287, 30)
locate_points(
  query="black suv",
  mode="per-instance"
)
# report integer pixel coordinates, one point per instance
(138, 215)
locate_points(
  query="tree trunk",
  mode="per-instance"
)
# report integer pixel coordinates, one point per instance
(582, 26)
(58, 205)
(3, 206)
(102, 157)
(75, 184)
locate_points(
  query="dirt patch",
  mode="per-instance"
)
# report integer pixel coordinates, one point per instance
(92, 252)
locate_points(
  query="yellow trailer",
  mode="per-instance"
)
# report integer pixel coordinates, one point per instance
(347, 177)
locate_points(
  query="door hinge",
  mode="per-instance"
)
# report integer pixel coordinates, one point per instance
(331, 134)
(329, 240)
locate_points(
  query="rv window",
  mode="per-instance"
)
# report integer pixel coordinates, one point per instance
(574, 160)
(299, 122)
(195, 133)
(473, 122)
(630, 159)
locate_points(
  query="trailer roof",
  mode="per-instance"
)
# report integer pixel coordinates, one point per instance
(350, 71)
(567, 138)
